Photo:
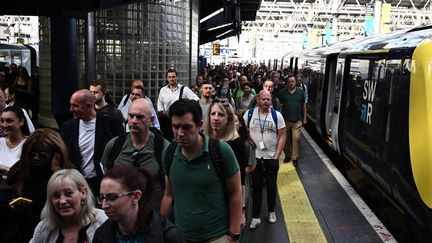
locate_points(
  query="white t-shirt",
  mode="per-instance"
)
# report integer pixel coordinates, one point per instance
(167, 96)
(8, 156)
(263, 128)
(86, 142)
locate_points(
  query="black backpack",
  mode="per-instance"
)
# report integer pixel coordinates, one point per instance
(158, 148)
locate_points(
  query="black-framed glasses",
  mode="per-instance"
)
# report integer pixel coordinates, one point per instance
(111, 197)
(40, 155)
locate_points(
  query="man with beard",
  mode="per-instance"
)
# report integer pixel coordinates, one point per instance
(103, 102)
(206, 96)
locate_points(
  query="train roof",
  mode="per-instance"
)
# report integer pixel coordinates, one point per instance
(400, 39)
(396, 40)
(12, 47)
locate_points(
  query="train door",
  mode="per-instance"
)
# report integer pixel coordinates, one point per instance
(335, 103)
(329, 93)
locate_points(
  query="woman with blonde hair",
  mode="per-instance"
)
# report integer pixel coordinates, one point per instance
(220, 123)
(69, 214)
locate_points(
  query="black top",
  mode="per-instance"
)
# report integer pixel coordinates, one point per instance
(239, 148)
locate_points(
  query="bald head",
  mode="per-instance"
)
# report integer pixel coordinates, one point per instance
(264, 93)
(264, 100)
(84, 96)
(143, 105)
(82, 105)
(140, 117)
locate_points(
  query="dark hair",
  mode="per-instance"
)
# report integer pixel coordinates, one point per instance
(290, 74)
(101, 83)
(206, 82)
(108, 98)
(136, 179)
(171, 70)
(183, 106)
(20, 114)
(243, 131)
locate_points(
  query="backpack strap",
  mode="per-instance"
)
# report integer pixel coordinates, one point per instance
(181, 92)
(250, 113)
(216, 157)
(274, 116)
(126, 100)
(169, 157)
(116, 149)
(158, 148)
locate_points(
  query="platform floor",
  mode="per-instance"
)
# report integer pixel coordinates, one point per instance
(315, 204)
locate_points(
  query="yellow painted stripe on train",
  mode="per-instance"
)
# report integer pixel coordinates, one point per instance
(302, 224)
(420, 120)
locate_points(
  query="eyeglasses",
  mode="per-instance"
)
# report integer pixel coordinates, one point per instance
(111, 197)
(40, 155)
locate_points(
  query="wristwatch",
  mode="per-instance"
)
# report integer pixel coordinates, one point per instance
(234, 236)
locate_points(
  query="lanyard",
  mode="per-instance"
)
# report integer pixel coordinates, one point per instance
(263, 124)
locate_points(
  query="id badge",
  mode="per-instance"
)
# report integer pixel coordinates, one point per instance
(261, 145)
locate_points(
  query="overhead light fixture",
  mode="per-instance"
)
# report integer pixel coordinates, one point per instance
(218, 27)
(211, 15)
(226, 32)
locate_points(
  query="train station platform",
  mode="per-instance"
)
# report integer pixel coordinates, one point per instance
(316, 204)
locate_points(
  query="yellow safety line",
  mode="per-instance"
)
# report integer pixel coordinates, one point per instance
(302, 224)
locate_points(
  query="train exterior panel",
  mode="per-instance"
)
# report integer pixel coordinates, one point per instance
(372, 100)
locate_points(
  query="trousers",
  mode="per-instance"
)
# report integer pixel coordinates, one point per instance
(265, 169)
(292, 144)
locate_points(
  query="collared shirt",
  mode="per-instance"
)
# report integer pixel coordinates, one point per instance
(168, 96)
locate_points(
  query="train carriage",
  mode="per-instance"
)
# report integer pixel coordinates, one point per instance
(372, 100)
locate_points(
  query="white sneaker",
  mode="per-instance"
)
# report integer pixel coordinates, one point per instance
(255, 222)
(272, 217)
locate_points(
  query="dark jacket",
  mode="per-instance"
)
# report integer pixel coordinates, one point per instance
(107, 127)
(161, 230)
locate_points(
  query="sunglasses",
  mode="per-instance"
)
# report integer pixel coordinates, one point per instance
(40, 155)
(111, 197)
(222, 101)
(135, 156)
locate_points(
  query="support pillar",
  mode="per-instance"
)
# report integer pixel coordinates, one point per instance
(64, 66)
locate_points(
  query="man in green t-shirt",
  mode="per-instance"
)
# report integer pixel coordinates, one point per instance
(203, 210)
(294, 113)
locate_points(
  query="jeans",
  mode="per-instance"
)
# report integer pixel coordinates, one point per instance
(265, 169)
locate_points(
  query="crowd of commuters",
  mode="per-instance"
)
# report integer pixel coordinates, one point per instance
(174, 172)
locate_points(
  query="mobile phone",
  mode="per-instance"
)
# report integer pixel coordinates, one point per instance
(20, 200)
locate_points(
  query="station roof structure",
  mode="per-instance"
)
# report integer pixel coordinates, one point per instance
(225, 24)
(295, 16)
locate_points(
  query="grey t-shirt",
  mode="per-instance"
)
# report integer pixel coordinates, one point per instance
(263, 128)
(145, 157)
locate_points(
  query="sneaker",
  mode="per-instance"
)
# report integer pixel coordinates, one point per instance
(272, 217)
(295, 163)
(255, 222)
